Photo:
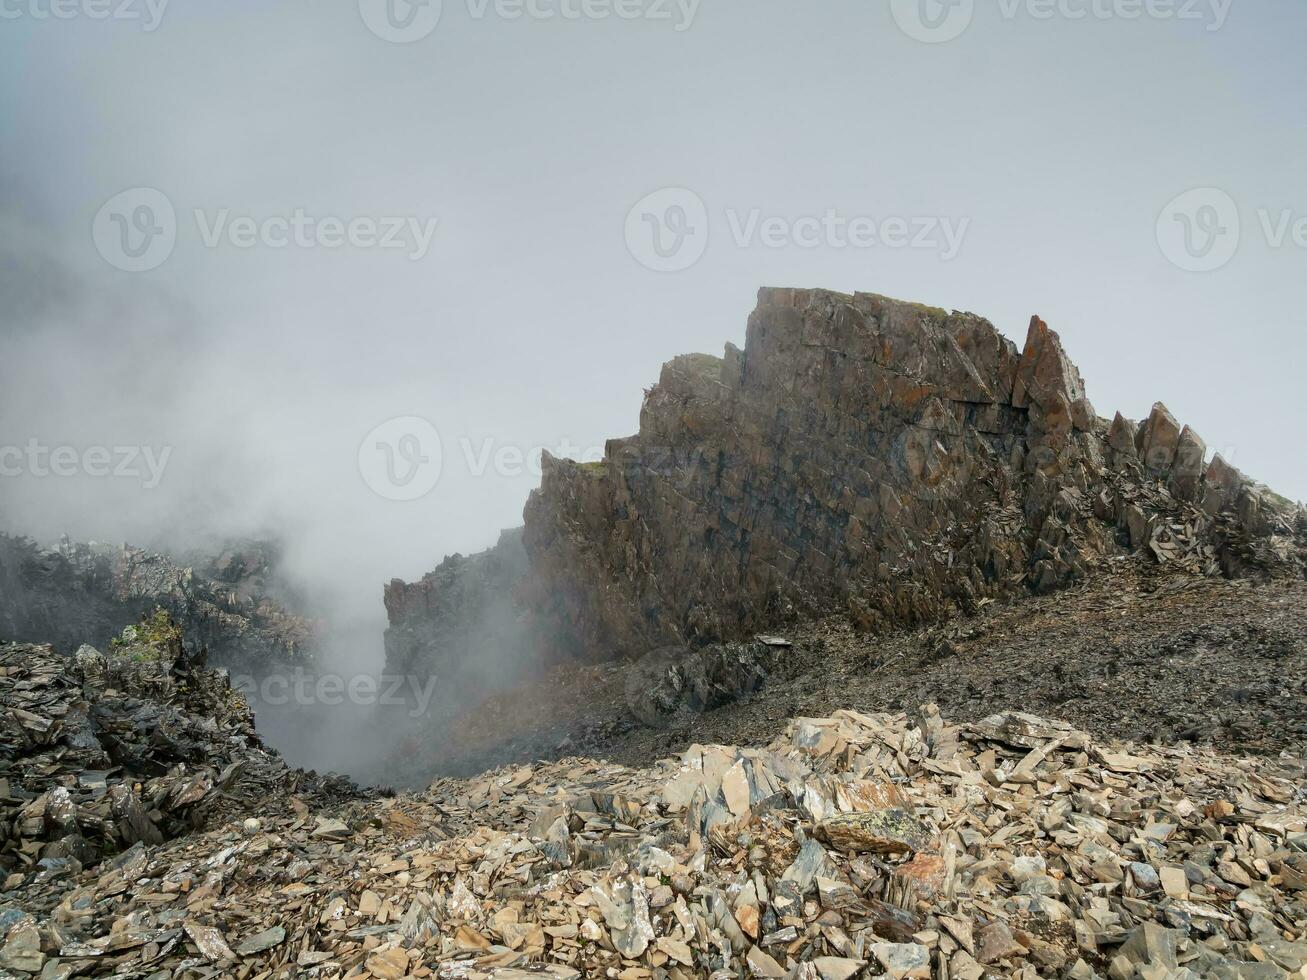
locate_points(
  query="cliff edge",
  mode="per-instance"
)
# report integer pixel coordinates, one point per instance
(860, 453)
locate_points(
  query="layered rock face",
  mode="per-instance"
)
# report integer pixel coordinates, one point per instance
(137, 745)
(79, 593)
(872, 455)
(463, 616)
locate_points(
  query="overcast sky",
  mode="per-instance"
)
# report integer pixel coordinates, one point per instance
(1006, 158)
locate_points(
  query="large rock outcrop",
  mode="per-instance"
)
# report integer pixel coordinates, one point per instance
(860, 453)
(233, 605)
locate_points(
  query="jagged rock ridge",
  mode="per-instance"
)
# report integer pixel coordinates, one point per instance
(867, 454)
(464, 607)
(233, 605)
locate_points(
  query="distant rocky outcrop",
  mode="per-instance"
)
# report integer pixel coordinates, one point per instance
(463, 614)
(860, 453)
(233, 604)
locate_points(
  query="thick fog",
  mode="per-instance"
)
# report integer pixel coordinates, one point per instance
(240, 237)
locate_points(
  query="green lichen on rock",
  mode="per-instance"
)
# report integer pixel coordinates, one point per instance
(155, 637)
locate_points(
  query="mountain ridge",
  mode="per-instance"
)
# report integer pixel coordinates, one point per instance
(860, 454)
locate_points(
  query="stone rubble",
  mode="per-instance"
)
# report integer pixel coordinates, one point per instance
(106, 752)
(852, 845)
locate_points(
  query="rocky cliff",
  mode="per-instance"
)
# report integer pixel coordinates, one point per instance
(233, 605)
(889, 459)
(465, 612)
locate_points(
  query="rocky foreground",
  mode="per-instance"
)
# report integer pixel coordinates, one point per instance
(858, 844)
(105, 756)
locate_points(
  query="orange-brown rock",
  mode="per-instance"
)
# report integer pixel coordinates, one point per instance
(864, 454)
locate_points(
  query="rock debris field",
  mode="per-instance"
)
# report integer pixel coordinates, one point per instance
(773, 690)
(889, 844)
(1141, 653)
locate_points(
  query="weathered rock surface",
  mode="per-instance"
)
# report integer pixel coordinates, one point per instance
(1140, 652)
(860, 454)
(461, 617)
(138, 745)
(233, 605)
(675, 682)
(1023, 862)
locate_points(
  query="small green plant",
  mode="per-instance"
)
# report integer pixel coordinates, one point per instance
(153, 637)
